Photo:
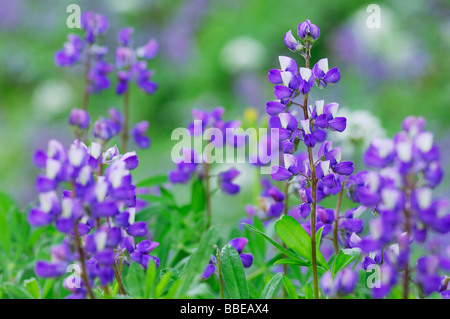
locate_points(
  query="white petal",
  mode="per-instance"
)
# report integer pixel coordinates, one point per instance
(424, 196)
(284, 62)
(319, 107)
(424, 141)
(323, 65)
(52, 168)
(305, 73)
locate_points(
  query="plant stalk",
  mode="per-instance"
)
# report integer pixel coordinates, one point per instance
(208, 194)
(219, 265)
(336, 220)
(286, 202)
(126, 115)
(313, 193)
(81, 260)
(407, 215)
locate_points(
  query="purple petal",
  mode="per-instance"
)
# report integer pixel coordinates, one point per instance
(138, 229)
(239, 243)
(48, 270)
(343, 168)
(279, 173)
(247, 260)
(274, 107)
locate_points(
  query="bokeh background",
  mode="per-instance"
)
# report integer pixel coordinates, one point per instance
(218, 53)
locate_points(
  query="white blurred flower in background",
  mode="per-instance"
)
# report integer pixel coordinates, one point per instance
(362, 128)
(242, 54)
(52, 98)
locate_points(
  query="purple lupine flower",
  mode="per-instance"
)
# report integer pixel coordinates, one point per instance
(141, 253)
(138, 132)
(86, 50)
(185, 168)
(307, 31)
(323, 75)
(291, 42)
(226, 181)
(211, 268)
(71, 53)
(94, 24)
(79, 118)
(239, 244)
(305, 81)
(401, 190)
(130, 68)
(110, 196)
(98, 76)
(342, 284)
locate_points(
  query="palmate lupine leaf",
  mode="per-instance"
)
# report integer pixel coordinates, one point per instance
(233, 273)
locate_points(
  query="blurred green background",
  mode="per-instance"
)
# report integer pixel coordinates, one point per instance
(218, 53)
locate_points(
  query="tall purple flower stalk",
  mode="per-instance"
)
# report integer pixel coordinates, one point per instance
(192, 164)
(87, 190)
(400, 192)
(88, 52)
(316, 178)
(97, 212)
(131, 66)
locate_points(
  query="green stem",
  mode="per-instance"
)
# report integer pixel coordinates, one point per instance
(119, 279)
(219, 265)
(208, 195)
(87, 66)
(126, 115)
(314, 195)
(286, 203)
(407, 215)
(84, 104)
(336, 220)
(81, 260)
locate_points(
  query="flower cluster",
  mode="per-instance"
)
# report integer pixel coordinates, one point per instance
(130, 68)
(127, 63)
(311, 179)
(400, 193)
(220, 133)
(97, 213)
(77, 49)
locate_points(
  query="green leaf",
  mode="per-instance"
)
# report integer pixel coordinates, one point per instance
(344, 258)
(233, 273)
(272, 287)
(135, 282)
(166, 198)
(198, 196)
(16, 292)
(290, 288)
(308, 291)
(153, 181)
(150, 278)
(162, 284)
(32, 286)
(295, 237)
(288, 253)
(287, 261)
(197, 262)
